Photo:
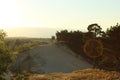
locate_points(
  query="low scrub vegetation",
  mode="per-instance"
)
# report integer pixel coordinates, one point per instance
(98, 47)
(18, 45)
(88, 74)
(6, 58)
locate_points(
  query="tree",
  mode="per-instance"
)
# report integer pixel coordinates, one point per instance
(53, 37)
(95, 28)
(112, 46)
(6, 57)
(113, 35)
(114, 32)
(2, 34)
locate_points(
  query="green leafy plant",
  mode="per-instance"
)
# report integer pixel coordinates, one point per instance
(6, 58)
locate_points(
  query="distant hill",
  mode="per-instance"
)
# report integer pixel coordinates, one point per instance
(31, 32)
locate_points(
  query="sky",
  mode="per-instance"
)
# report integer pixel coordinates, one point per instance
(51, 15)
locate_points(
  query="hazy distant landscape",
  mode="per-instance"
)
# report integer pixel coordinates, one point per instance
(31, 32)
(35, 32)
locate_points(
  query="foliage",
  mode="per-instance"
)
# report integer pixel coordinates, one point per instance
(95, 28)
(93, 48)
(18, 45)
(53, 37)
(20, 77)
(6, 58)
(73, 39)
(112, 42)
(2, 34)
(109, 40)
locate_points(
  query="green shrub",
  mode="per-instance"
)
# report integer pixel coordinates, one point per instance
(6, 58)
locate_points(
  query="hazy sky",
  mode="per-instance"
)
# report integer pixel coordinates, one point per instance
(57, 14)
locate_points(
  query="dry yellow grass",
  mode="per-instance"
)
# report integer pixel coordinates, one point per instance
(87, 74)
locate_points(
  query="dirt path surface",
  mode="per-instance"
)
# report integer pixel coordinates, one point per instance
(49, 58)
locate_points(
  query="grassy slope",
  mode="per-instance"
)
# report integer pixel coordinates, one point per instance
(19, 45)
(87, 74)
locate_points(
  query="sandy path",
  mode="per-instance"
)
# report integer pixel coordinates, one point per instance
(50, 58)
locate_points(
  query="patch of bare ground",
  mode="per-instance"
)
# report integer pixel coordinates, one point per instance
(48, 59)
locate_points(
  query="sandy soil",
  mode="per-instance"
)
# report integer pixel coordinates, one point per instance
(49, 58)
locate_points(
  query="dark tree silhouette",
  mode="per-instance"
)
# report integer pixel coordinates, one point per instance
(95, 28)
(113, 35)
(109, 40)
(53, 37)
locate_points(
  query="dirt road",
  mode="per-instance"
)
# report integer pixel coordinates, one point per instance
(50, 58)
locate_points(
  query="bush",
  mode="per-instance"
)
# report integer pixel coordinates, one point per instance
(110, 41)
(6, 58)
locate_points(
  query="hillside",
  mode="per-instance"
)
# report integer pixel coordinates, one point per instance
(57, 62)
